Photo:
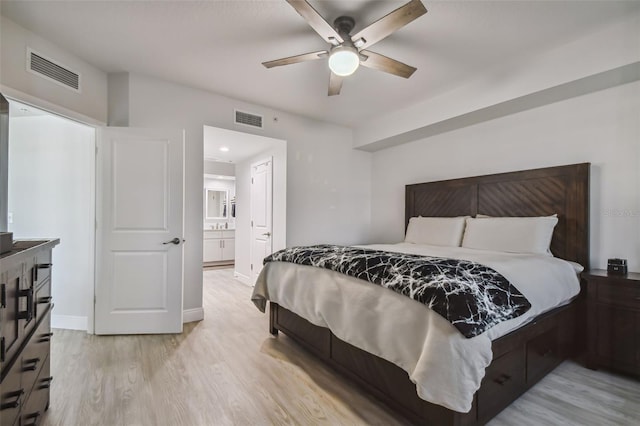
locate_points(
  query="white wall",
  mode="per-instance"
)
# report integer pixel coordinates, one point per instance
(328, 183)
(602, 128)
(278, 152)
(219, 168)
(51, 167)
(90, 105)
(118, 99)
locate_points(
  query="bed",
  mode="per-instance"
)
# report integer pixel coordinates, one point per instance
(519, 358)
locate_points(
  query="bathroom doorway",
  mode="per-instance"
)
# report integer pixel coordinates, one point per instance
(228, 159)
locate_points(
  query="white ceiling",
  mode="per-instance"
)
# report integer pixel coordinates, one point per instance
(219, 45)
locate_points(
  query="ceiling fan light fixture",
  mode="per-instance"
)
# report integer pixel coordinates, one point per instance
(344, 60)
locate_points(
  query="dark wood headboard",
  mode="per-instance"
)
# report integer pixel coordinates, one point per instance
(562, 190)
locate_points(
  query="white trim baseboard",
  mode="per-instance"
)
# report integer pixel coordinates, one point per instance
(242, 278)
(192, 315)
(69, 322)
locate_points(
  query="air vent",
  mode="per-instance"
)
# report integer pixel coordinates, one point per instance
(248, 119)
(46, 68)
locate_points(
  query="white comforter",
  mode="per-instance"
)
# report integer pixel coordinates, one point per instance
(445, 366)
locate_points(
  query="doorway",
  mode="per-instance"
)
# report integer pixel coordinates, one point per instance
(242, 150)
(51, 193)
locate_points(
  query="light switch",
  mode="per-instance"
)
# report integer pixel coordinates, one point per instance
(10, 217)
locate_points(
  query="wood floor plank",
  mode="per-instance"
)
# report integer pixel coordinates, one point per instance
(228, 370)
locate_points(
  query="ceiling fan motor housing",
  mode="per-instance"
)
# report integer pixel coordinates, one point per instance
(344, 25)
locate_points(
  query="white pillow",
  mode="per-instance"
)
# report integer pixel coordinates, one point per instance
(510, 234)
(436, 231)
(576, 266)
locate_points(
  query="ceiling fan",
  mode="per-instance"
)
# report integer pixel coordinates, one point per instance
(348, 51)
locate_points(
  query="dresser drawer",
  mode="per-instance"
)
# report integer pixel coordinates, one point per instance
(42, 268)
(38, 400)
(10, 306)
(43, 299)
(618, 338)
(12, 395)
(623, 295)
(36, 353)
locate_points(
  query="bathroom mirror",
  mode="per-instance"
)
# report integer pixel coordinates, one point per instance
(217, 203)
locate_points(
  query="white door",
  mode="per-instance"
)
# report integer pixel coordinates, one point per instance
(140, 185)
(261, 209)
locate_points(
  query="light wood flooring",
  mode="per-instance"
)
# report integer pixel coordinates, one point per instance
(228, 370)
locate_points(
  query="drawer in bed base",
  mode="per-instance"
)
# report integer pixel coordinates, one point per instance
(381, 378)
(391, 385)
(521, 358)
(503, 382)
(312, 336)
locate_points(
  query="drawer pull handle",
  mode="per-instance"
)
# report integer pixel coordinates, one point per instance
(46, 382)
(40, 266)
(30, 364)
(28, 314)
(13, 404)
(44, 338)
(46, 299)
(502, 379)
(33, 417)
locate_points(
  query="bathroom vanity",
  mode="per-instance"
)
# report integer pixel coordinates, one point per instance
(219, 247)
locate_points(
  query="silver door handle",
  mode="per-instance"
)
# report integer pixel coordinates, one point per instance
(268, 234)
(175, 241)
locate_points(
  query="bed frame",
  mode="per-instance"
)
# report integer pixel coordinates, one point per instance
(520, 358)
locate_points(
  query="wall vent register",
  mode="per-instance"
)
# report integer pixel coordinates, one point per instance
(45, 67)
(248, 119)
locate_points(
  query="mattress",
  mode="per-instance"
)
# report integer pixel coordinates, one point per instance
(446, 367)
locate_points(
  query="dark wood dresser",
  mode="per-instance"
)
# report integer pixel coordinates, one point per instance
(25, 332)
(614, 321)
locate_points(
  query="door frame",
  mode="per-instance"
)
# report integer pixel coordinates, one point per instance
(269, 146)
(53, 109)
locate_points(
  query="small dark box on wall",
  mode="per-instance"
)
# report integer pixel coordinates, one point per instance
(617, 266)
(6, 242)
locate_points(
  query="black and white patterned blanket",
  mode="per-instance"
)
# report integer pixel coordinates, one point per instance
(471, 296)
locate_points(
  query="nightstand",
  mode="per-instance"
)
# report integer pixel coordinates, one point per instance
(613, 321)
